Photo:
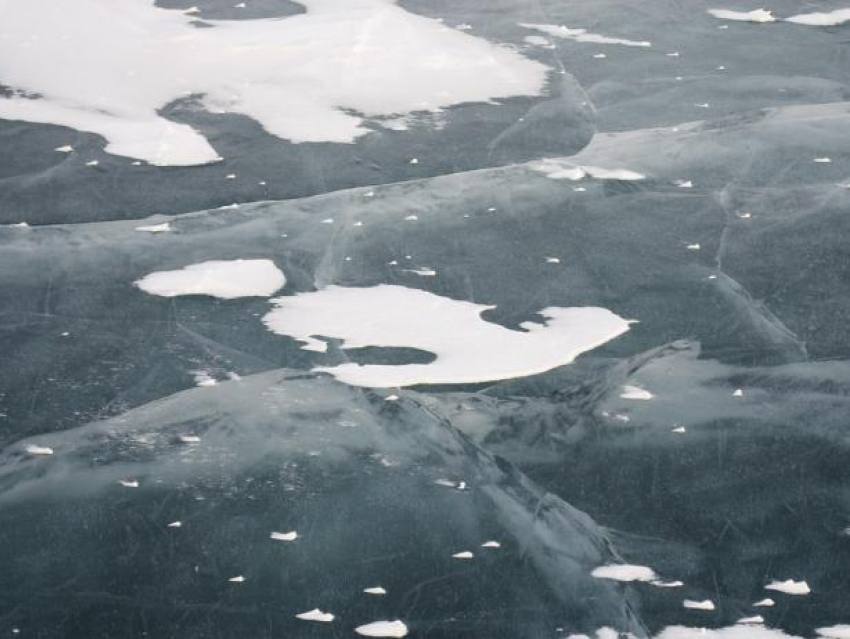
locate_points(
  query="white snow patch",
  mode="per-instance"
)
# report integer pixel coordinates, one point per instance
(313, 77)
(756, 619)
(706, 604)
(840, 631)
(175, 524)
(376, 590)
(165, 227)
(217, 278)
(64, 149)
(738, 393)
(237, 580)
(667, 584)
(730, 632)
(822, 160)
(422, 272)
(463, 555)
(764, 603)
(789, 587)
(190, 439)
(634, 392)
(287, 536)
(468, 349)
(624, 572)
(680, 430)
(827, 19)
(491, 544)
(684, 184)
(129, 483)
(383, 629)
(316, 615)
(581, 35)
(38, 451)
(757, 15)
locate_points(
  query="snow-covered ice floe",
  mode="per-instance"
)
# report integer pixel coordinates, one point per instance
(227, 279)
(582, 35)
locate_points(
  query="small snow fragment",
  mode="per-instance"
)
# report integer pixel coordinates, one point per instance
(707, 604)
(92, 163)
(230, 176)
(684, 184)
(553, 260)
(190, 439)
(237, 580)
(491, 544)
(234, 376)
(463, 555)
(745, 216)
(757, 15)
(376, 590)
(41, 451)
(445, 482)
(165, 227)
(136, 163)
(694, 247)
(491, 209)
(191, 11)
(369, 194)
(599, 56)
(789, 587)
(129, 483)
(667, 584)
(206, 382)
(288, 536)
(624, 572)
(241, 5)
(579, 189)
(634, 392)
(463, 27)
(358, 223)
(757, 619)
(703, 105)
(225, 279)
(414, 161)
(329, 220)
(262, 182)
(673, 54)
(680, 430)
(411, 218)
(424, 272)
(382, 629)
(64, 149)
(823, 160)
(19, 225)
(65, 334)
(764, 603)
(461, 485)
(829, 19)
(175, 524)
(721, 68)
(316, 615)
(738, 393)
(391, 398)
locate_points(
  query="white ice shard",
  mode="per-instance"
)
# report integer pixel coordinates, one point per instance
(789, 587)
(822, 19)
(705, 604)
(582, 35)
(383, 629)
(624, 572)
(316, 615)
(756, 15)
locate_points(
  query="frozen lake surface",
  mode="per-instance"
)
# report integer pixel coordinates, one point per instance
(507, 320)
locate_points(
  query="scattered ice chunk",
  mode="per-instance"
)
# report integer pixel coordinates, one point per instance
(706, 604)
(789, 587)
(563, 170)
(191, 11)
(411, 218)
(190, 439)
(237, 580)
(129, 483)
(223, 279)
(240, 5)
(202, 378)
(424, 272)
(599, 56)
(738, 393)
(92, 163)
(445, 482)
(825, 19)
(673, 54)
(491, 544)
(19, 225)
(745, 216)
(684, 184)
(328, 220)
(680, 430)
(840, 631)
(165, 227)
(382, 629)
(823, 160)
(667, 584)
(463, 555)
(468, 348)
(694, 247)
(287, 536)
(64, 149)
(756, 15)
(463, 27)
(553, 260)
(581, 35)
(391, 398)
(764, 603)
(756, 619)
(624, 572)
(414, 161)
(38, 451)
(316, 615)
(634, 392)
(175, 524)
(376, 590)
(703, 105)
(230, 176)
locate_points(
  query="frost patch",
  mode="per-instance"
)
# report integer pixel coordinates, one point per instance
(223, 279)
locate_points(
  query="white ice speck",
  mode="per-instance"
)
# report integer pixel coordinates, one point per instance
(411, 218)
(667, 584)
(287, 536)
(703, 105)
(582, 35)
(463, 555)
(679, 430)
(38, 451)
(553, 260)
(237, 580)
(191, 11)
(757, 15)
(491, 544)
(634, 392)
(706, 604)
(446, 483)
(789, 587)
(745, 216)
(463, 27)
(230, 176)
(19, 225)
(316, 615)
(376, 590)
(92, 163)
(423, 272)
(129, 483)
(165, 227)
(756, 619)
(822, 160)
(673, 54)
(175, 524)
(190, 439)
(414, 161)
(624, 572)
(599, 56)
(738, 393)
(684, 184)
(764, 603)
(391, 398)
(216, 278)
(382, 629)
(694, 247)
(64, 149)
(468, 348)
